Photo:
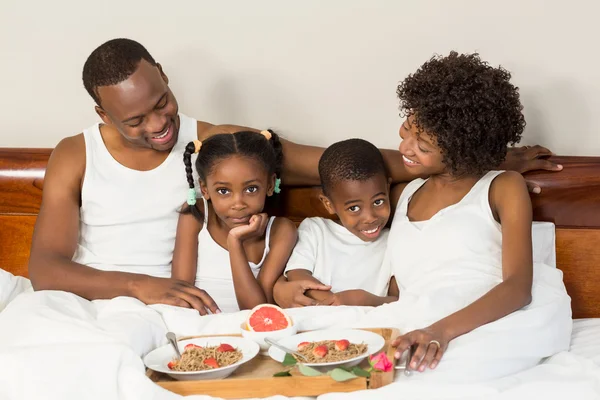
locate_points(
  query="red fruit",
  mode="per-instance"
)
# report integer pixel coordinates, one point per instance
(211, 362)
(224, 348)
(320, 351)
(172, 364)
(302, 346)
(342, 345)
(191, 346)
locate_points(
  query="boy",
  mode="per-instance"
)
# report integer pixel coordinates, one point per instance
(349, 255)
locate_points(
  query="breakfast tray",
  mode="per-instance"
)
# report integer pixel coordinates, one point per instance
(255, 378)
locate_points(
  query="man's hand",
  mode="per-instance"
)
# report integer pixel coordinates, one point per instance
(255, 228)
(529, 158)
(291, 294)
(174, 292)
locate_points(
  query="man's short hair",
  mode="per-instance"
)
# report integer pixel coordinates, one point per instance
(112, 63)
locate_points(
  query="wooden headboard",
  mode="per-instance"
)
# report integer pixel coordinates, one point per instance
(570, 199)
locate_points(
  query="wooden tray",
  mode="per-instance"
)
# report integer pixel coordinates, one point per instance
(255, 378)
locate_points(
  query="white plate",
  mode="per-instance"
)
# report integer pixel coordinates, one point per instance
(374, 342)
(158, 359)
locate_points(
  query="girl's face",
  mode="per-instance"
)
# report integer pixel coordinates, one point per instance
(419, 152)
(237, 187)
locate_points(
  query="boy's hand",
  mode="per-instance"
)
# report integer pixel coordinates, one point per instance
(255, 228)
(529, 158)
(331, 300)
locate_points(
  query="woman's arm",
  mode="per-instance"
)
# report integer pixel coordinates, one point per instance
(510, 202)
(185, 255)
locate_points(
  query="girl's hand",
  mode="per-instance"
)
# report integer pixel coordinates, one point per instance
(428, 353)
(290, 294)
(255, 228)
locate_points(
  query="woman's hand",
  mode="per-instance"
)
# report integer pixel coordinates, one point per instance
(430, 343)
(255, 228)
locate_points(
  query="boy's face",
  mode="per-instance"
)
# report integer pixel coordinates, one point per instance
(362, 206)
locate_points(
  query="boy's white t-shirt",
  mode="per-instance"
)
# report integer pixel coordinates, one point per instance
(338, 258)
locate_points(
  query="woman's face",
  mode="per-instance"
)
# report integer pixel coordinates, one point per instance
(419, 152)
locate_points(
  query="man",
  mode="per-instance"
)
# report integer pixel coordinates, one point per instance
(107, 222)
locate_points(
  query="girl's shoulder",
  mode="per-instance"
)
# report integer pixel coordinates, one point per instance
(283, 229)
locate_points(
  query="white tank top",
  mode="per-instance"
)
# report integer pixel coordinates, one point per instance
(455, 256)
(213, 273)
(128, 218)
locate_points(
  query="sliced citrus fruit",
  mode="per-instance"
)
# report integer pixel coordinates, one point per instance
(267, 318)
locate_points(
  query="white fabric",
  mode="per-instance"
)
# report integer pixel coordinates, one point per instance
(129, 217)
(338, 258)
(55, 345)
(585, 340)
(543, 236)
(451, 260)
(213, 271)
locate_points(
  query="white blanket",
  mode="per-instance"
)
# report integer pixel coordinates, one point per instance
(55, 345)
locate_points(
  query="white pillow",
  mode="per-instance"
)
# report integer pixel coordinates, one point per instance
(544, 243)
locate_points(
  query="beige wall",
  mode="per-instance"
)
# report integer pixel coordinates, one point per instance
(316, 70)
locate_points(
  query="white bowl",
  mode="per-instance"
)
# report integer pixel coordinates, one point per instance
(373, 341)
(158, 359)
(259, 337)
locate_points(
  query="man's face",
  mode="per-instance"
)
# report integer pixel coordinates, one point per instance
(142, 108)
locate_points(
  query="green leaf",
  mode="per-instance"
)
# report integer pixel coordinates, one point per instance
(340, 375)
(289, 360)
(282, 373)
(308, 371)
(361, 372)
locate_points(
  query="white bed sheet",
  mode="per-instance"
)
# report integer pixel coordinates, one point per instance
(95, 348)
(585, 339)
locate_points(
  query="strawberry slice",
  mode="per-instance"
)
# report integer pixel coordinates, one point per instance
(172, 364)
(320, 351)
(342, 345)
(191, 346)
(211, 362)
(224, 348)
(303, 345)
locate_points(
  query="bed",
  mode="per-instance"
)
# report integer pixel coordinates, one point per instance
(110, 330)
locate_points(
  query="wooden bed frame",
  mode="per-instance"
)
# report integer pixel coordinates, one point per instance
(570, 199)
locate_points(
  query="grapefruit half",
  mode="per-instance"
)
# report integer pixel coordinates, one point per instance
(267, 318)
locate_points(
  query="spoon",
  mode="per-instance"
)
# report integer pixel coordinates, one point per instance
(285, 349)
(173, 340)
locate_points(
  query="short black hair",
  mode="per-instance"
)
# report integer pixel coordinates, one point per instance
(471, 109)
(349, 160)
(112, 63)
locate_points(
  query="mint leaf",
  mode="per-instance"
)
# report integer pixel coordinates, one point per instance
(340, 375)
(289, 360)
(308, 371)
(361, 372)
(282, 373)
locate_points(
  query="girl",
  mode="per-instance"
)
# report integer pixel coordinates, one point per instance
(225, 244)
(461, 115)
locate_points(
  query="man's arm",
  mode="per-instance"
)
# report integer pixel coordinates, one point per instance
(301, 162)
(55, 241)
